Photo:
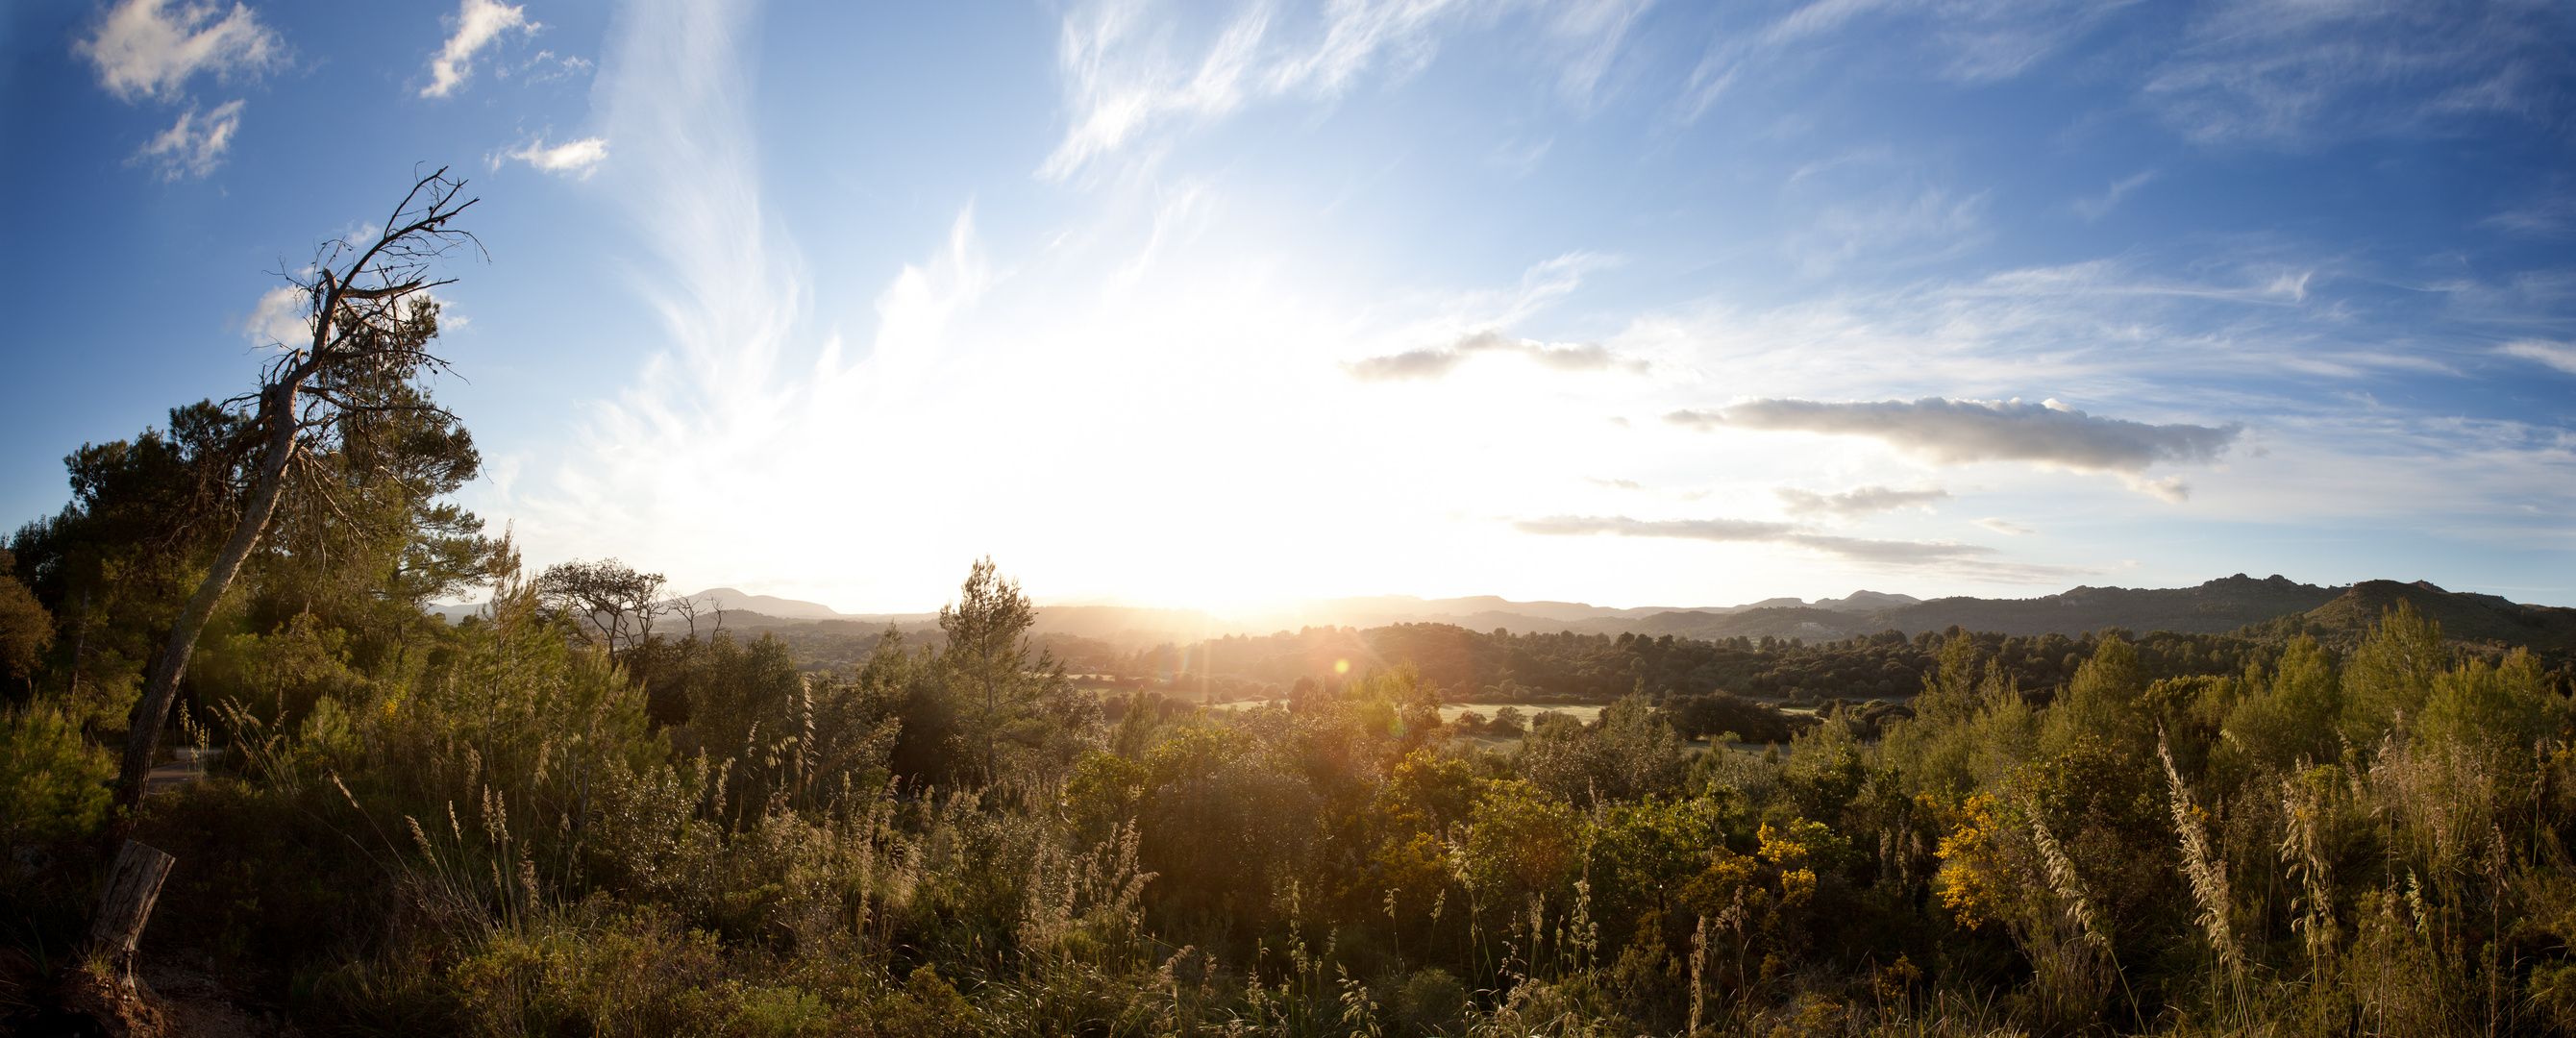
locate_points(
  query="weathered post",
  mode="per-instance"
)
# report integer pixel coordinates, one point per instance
(126, 905)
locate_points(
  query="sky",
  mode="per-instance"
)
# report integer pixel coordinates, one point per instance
(1200, 304)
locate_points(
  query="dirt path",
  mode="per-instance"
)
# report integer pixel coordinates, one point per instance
(190, 767)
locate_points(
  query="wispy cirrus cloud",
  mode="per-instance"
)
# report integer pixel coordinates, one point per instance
(1898, 221)
(2558, 355)
(478, 23)
(2273, 73)
(148, 49)
(2006, 526)
(1973, 561)
(711, 264)
(545, 66)
(2092, 209)
(1859, 501)
(1962, 432)
(2291, 73)
(2547, 216)
(1126, 76)
(195, 145)
(1436, 361)
(1977, 41)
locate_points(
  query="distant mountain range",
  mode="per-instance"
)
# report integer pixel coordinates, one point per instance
(2215, 607)
(2269, 607)
(1149, 625)
(730, 600)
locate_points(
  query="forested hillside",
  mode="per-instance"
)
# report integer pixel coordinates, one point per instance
(1472, 666)
(2215, 607)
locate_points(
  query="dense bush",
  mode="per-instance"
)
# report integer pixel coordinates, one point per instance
(499, 839)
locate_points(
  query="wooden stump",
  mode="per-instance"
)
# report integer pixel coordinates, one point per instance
(126, 904)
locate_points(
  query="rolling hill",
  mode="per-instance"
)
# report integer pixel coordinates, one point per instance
(2464, 616)
(2215, 607)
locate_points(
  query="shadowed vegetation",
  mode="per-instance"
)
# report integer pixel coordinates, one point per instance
(483, 829)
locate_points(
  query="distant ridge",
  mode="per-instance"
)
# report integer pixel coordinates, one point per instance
(2271, 607)
(712, 599)
(2465, 616)
(2216, 607)
(1144, 625)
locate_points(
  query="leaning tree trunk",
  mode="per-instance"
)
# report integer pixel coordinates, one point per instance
(415, 234)
(277, 406)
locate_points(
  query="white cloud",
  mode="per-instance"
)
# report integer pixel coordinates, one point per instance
(1125, 77)
(1800, 503)
(545, 67)
(478, 22)
(193, 146)
(1592, 32)
(1753, 530)
(1971, 41)
(283, 317)
(572, 158)
(2003, 526)
(148, 49)
(2295, 72)
(1890, 222)
(1966, 560)
(2558, 355)
(1518, 156)
(1435, 361)
(1962, 432)
(2092, 209)
(1637, 487)
(914, 312)
(2170, 488)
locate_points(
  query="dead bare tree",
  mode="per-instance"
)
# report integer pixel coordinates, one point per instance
(611, 603)
(689, 609)
(372, 321)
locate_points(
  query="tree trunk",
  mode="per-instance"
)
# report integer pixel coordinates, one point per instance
(277, 405)
(127, 902)
(80, 644)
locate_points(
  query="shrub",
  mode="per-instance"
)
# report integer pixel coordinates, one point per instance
(54, 785)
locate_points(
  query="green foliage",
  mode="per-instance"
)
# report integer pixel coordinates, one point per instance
(493, 834)
(2392, 673)
(2294, 716)
(588, 972)
(2501, 706)
(1519, 841)
(53, 783)
(26, 629)
(1503, 667)
(993, 687)
(1628, 753)
(1725, 714)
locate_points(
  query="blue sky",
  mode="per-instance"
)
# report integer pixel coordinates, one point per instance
(1624, 302)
